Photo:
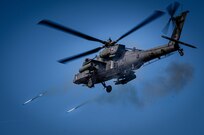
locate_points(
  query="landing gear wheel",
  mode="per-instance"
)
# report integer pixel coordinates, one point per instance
(108, 88)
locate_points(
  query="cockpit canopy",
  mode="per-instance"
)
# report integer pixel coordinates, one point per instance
(112, 51)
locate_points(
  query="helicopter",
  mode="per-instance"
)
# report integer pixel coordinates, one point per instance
(115, 61)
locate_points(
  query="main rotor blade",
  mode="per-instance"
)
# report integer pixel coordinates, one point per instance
(65, 60)
(149, 19)
(70, 31)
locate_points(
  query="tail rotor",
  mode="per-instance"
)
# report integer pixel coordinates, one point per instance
(171, 10)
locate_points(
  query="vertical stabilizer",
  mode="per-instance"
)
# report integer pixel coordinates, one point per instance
(179, 22)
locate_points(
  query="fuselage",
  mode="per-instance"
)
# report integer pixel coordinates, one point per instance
(123, 65)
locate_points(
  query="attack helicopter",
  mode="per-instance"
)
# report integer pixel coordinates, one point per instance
(115, 61)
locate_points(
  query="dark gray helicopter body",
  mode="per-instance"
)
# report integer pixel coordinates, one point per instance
(116, 61)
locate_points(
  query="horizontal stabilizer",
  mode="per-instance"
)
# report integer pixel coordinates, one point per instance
(177, 41)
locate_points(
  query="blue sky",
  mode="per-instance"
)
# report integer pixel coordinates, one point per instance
(29, 66)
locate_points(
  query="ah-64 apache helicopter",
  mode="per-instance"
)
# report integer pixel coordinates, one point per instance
(116, 61)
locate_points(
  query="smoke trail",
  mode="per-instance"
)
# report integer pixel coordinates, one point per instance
(53, 90)
(171, 81)
(125, 95)
(59, 89)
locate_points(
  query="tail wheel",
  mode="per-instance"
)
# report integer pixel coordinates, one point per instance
(181, 52)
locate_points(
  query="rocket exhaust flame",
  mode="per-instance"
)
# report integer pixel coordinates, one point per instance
(80, 105)
(71, 109)
(32, 99)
